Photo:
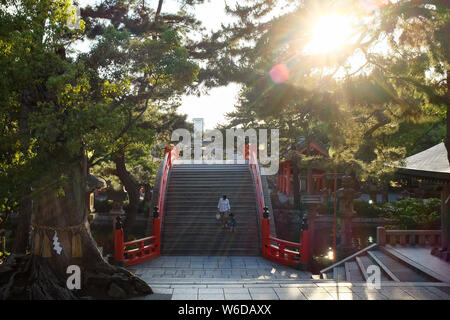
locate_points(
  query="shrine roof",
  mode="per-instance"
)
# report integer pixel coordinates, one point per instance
(430, 164)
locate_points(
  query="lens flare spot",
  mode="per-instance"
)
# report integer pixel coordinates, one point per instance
(371, 5)
(279, 73)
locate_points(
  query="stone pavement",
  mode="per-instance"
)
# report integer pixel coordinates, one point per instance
(255, 278)
(167, 269)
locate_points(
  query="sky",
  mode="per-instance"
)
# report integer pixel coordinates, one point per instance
(219, 101)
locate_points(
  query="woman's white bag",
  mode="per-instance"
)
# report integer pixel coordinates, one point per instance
(218, 216)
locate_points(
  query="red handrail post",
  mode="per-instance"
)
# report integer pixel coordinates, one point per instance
(119, 247)
(265, 231)
(281, 252)
(304, 247)
(156, 230)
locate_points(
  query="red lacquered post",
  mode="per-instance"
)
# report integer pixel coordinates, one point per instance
(118, 241)
(156, 230)
(304, 244)
(265, 230)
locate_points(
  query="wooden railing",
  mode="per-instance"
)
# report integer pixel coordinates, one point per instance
(142, 249)
(408, 237)
(150, 247)
(286, 252)
(171, 154)
(274, 249)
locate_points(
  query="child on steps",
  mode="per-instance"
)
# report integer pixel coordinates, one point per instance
(232, 223)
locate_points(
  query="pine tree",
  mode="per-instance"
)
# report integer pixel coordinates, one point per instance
(354, 113)
(62, 113)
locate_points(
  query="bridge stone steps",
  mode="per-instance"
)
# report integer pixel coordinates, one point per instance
(174, 220)
(194, 207)
(205, 226)
(353, 273)
(214, 181)
(205, 187)
(190, 226)
(202, 194)
(367, 261)
(201, 197)
(208, 167)
(205, 211)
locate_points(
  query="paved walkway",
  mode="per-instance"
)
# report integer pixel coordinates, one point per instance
(254, 278)
(198, 269)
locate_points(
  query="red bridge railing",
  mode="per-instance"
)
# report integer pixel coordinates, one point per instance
(136, 251)
(140, 250)
(274, 249)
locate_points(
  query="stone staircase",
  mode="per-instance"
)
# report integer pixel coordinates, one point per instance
(189, 222)
(393, 265)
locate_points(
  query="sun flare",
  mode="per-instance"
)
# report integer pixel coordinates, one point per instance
(329, 33)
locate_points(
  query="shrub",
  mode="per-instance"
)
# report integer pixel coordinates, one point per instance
(143, 206)
(103, 205)
(367, 210)
(410, 214)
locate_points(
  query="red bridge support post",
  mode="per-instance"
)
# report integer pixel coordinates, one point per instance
(118, 241)
(265, 230)
(156, 229)
(305, 245)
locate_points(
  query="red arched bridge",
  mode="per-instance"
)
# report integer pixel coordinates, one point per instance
(184, 221)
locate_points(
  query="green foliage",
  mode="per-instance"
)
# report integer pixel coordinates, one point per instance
(355, 114)
(40, 96)
(365, 209)
(143, 207)
(103, 205)
(366, 115)
(142, 68)
(411, 214)
(58, 109)
(416, 137)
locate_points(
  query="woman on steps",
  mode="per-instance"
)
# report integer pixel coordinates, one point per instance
(223, 207)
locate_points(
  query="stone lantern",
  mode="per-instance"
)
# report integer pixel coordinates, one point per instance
(93, 183)
(118, 197)
(347, 194)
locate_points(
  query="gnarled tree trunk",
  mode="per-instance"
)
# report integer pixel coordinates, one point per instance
(43, 273)
(23, 229)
